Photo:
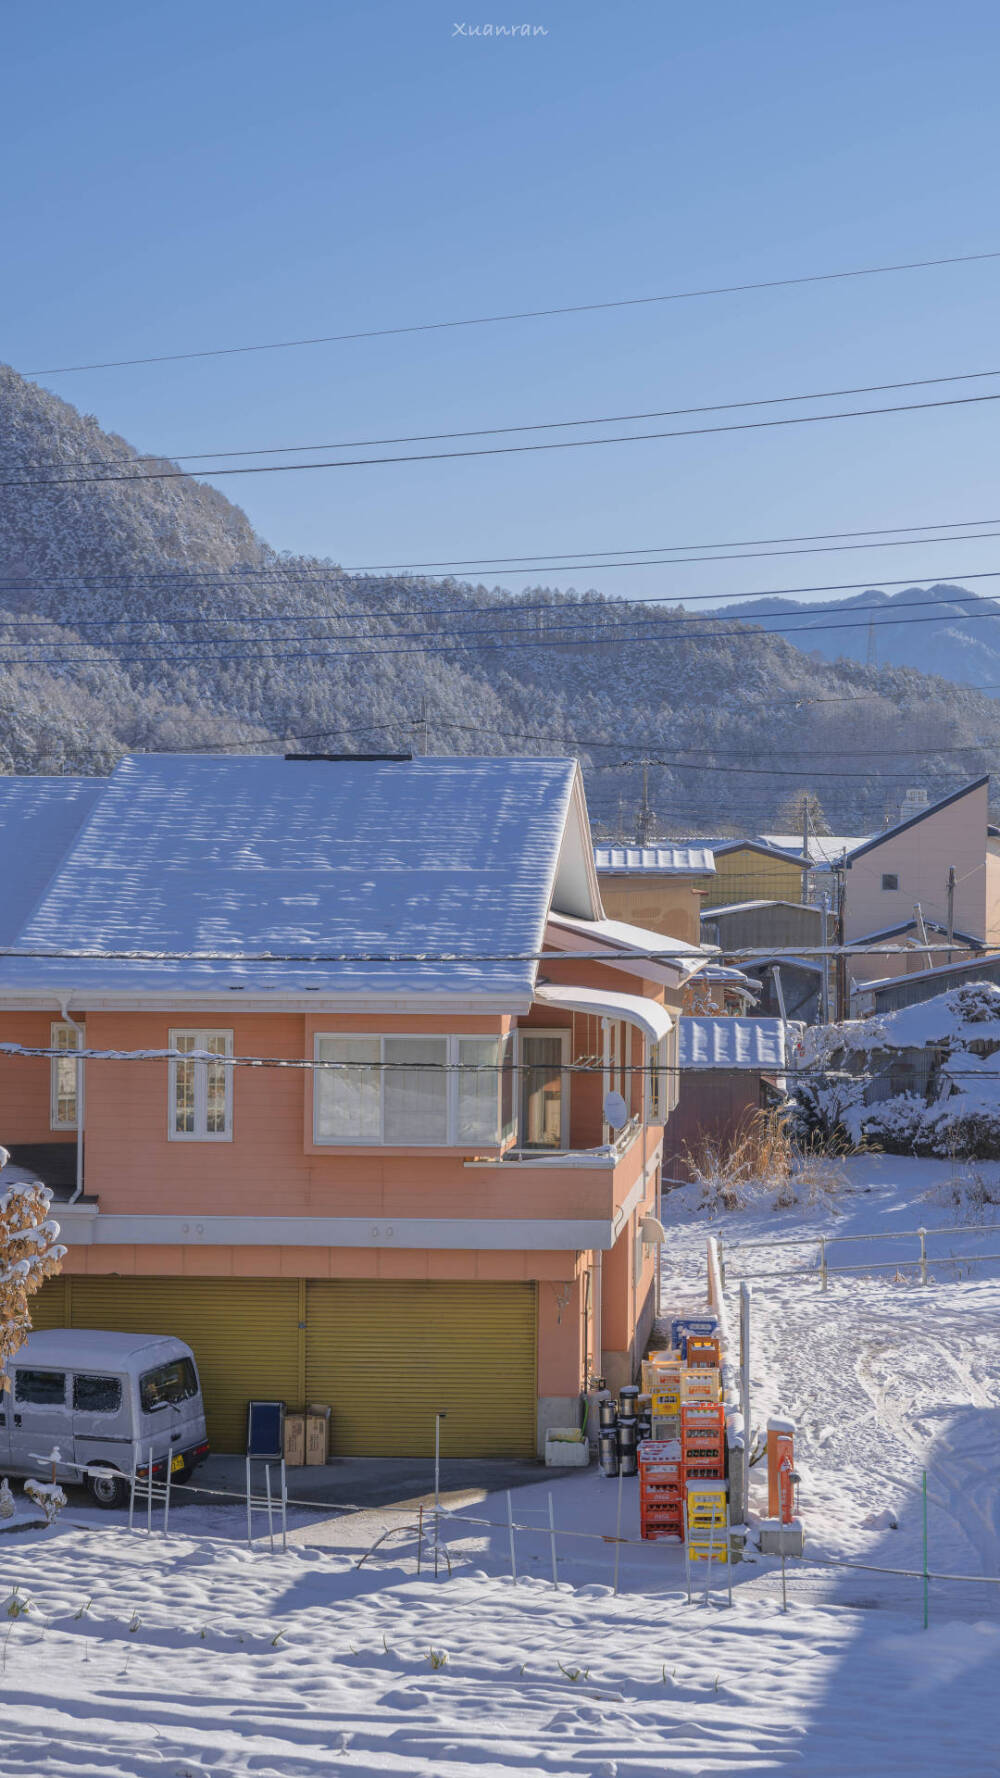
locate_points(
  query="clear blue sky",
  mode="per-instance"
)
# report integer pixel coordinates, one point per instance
(196, 176)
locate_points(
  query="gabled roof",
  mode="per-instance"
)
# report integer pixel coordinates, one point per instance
(635, 950)
(659, 860)
(968, 965)
(824, 848)
(890, 833)
(741, 907)
(191, 853)
(731, 1043)
(783, 855)
(904, 926)
(39, 819)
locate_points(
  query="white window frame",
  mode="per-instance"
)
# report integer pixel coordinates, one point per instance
(451, 1040)
(200, 1133)
(76, 1040)
(564, 1033)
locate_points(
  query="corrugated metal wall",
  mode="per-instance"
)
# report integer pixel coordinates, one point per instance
(384, 1355)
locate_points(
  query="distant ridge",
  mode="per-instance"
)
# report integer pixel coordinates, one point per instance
(96, 554)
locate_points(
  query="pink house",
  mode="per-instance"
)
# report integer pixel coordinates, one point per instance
(349, 1083)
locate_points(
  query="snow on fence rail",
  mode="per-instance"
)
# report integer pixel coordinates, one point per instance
(822, 1268)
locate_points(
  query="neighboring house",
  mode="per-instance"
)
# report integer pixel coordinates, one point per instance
(718, 988)
(412, 1201)
(791, 985)
(660, 886)
(729, 1068)
(750, 870)
(922, 984)
(887, 877)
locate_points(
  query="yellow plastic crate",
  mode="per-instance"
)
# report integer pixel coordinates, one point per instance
(666, 1402)
(705, 1552)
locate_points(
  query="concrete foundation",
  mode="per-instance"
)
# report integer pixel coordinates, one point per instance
(777, 1539)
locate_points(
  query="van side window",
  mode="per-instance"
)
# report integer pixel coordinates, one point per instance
(44, 1388)
(97, 1395)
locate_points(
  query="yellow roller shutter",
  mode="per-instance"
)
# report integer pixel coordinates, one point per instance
(242, 1331)
(386, 1355)
(49, 1307)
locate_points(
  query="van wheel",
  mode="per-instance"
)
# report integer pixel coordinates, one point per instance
(109, 1490)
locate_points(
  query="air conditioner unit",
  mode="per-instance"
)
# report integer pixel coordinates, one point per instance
(652, 1231)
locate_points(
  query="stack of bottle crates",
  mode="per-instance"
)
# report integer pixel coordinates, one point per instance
(661, 1490)
(707, 1521)
(703, 1441)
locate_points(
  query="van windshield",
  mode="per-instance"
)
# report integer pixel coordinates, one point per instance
(173, 1382)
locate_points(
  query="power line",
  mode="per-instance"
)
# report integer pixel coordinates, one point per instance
(480, 640)
(631, 302)
(305, 572)
(563, 444)
(348, 444)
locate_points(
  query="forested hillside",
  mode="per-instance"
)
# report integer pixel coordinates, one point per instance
(148, 614)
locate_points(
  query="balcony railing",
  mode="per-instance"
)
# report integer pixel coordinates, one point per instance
(606, 1153)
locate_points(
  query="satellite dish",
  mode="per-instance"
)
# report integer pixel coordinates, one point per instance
(615, 1111)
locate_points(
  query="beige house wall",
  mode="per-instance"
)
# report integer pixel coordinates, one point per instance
(920, 857)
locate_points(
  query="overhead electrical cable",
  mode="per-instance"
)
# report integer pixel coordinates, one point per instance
(562, 444)
(629, 302)
(349, 444)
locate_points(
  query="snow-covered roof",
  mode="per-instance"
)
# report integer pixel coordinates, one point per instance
(968, 966)
(187, 853)
(89, 1348)
(742, 907)
(648, 1015)
(628, 947)
(39, 819)
(948, 1018)
(657, 860)
(731, 1043)
(823, 847)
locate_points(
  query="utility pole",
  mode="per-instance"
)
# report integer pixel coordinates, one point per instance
(841, 966)
(825, 978)
(645, 822)
(951, 908)
(424, 743)
(805, 848)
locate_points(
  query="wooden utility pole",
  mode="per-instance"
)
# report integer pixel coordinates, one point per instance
(841, 974)
(951, 908)
(805, 848)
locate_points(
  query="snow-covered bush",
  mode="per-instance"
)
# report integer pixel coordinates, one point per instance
(29, 1253)
(951, 1041)
(48, 1496)
(760, 1163)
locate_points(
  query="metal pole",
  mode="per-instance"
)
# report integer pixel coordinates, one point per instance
(925, 1548)
(618, 1526)
(420, 1534)
(166, 1500)
(923, 1255)
(822, 1261)
(270, 1510)
(784, 1594)
(149, 1494)
(284, 1506)
(552, 1540)
(951, 907)
(249, 1528)
(746, 1303)
(510, 1534)
(438, 1417)
(131, 1498)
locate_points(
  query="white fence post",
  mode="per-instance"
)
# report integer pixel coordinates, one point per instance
(510, 1533)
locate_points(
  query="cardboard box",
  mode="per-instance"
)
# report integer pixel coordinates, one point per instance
(295, 1440)
(317, 1433)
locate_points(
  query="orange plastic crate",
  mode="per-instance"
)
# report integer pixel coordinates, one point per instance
(703, 1349)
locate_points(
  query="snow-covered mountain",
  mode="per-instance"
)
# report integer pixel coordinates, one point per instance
(121, 576)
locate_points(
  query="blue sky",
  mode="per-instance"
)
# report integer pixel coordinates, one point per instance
(197, 177)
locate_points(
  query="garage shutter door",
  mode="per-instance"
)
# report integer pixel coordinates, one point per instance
(387, 1355)
(243, 1333)
(48, 1308)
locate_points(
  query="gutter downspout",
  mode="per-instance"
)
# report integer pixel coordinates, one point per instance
(68, 1019)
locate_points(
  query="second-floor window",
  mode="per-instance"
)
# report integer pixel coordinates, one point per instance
(428, 1092)
(65, 1072)
(543, 1056)
(201, 1090)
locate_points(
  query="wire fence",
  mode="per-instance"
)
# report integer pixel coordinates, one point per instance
(822, 1269)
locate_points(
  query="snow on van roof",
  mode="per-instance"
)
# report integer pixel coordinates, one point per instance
(86, 1347)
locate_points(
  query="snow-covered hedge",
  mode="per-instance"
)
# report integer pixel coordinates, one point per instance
(959, 1117)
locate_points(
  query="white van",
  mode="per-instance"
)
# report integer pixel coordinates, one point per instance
(105, 1399)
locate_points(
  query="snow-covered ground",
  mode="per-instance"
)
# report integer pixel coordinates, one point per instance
(151, 1658)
